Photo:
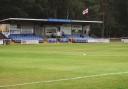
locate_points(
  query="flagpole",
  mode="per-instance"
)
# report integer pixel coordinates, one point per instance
(67, 13)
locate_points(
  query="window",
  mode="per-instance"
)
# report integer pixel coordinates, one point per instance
(19, 26)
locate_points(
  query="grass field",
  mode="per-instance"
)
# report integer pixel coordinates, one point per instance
(20, 64)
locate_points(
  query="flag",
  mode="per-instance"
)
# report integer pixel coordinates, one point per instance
(85, 11)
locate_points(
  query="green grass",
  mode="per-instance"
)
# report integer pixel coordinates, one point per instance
(30, 63)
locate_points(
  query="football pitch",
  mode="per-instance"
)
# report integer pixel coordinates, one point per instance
(64, 66)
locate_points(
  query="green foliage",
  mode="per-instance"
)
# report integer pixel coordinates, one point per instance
(114, 13)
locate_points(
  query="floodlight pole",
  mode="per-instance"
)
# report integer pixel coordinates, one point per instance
(103, 26)
(103, 18)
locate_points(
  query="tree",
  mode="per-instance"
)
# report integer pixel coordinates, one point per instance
(114, 13)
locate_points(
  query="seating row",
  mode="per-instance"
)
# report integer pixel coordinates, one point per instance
(67, 38)
(19, 37)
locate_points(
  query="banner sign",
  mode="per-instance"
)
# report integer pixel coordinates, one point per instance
(59, 20)
(98, 40)
(124, 40)
(29, 42)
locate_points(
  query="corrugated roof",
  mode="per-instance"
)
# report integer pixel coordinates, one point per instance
(50, 20)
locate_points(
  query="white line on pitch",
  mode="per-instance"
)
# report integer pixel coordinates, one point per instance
(91, 55)
(65, 79)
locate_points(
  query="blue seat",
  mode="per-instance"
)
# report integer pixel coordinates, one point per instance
(64, 40)
(52, 40)
(79, 40)
(19, 37)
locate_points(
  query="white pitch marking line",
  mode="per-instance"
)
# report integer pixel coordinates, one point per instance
(108, 55)
(66, 79)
